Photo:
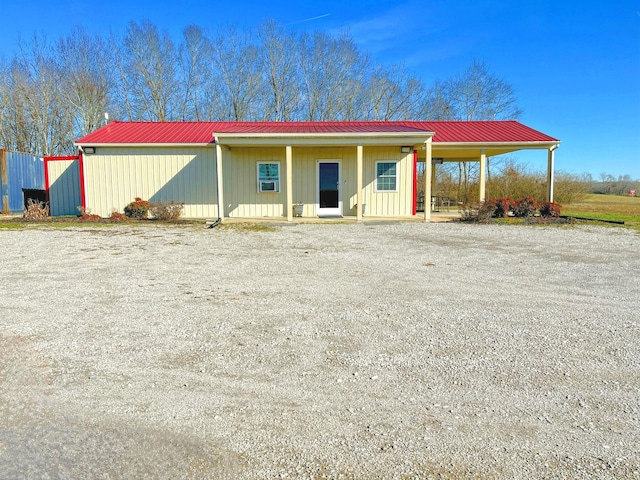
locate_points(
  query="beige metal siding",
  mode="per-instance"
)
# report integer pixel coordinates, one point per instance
(241, 196)
(115, 176)
(64, 187)
(305, 176)
(388, 204)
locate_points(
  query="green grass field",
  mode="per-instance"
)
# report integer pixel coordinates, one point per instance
(607, 207)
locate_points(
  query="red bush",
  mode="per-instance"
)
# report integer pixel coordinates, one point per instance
(526, 207)
(550, 209)
(503, 207)
(137, 209)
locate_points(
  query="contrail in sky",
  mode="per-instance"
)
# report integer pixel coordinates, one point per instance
(309, 19)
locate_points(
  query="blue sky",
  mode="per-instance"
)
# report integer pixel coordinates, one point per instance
(575, 66)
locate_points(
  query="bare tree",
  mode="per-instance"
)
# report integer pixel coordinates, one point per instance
(237, 62)
(41, 122)
(279, 54)
(196, 75)
(438, 104)
(15, 131)
(149, 73)
(391, 93)
(87, 81)
(477, 94)
(331, 70)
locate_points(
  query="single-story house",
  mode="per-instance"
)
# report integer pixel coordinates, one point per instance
(270, 169)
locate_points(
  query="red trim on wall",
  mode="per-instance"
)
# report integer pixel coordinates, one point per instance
(83, 201)
(414, 207)
(46, 179)
(68, 157)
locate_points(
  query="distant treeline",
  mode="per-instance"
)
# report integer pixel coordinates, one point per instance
(618, 187)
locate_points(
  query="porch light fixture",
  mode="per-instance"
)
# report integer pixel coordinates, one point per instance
(405, 149)
(89, 150)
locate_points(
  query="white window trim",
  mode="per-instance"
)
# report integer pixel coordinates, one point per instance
(259, 182)
(375, 189)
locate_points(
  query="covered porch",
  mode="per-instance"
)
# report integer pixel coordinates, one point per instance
(478, 141)
(300, 151)
(480, 154)
(432, 143)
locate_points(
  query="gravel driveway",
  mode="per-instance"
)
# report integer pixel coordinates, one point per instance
(320, 351)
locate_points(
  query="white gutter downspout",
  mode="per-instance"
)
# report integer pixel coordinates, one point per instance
(550, 175)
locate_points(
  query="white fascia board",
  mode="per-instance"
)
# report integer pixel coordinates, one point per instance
(425, 134)
(495, 145)
(337, 138)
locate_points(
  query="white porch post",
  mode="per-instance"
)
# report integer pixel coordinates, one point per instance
(483, 176)
(550, 161)
(434, 178)
(359, 196)
(219, 181)
(427, 181)
(289, 162)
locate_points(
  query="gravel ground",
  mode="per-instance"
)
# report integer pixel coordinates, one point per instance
(320, 351)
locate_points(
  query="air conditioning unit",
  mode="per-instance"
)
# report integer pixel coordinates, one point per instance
(269, 186)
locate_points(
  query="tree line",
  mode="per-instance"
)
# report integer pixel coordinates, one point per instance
(610, 185)
(53, 91)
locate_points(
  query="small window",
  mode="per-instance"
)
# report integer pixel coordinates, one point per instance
(268, 177)
(386, 177)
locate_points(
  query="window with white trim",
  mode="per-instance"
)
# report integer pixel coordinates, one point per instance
(386, 176)
(268, 177)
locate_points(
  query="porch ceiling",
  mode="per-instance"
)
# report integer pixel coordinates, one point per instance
(457, 152)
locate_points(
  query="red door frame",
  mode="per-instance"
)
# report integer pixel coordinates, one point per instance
(78, 157)
(414, 207)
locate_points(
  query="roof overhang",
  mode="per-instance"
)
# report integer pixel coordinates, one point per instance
(452, 151)
(322, 139)
(455, 151)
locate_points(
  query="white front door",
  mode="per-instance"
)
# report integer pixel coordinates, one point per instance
(329, 191)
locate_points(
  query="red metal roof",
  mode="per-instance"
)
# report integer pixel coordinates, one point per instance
(490, 131)
(500, 131)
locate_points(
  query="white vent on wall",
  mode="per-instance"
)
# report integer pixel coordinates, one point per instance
(269, 186)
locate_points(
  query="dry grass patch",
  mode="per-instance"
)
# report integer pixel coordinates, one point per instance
(36, 210)
(607, 207)
(248, 227)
